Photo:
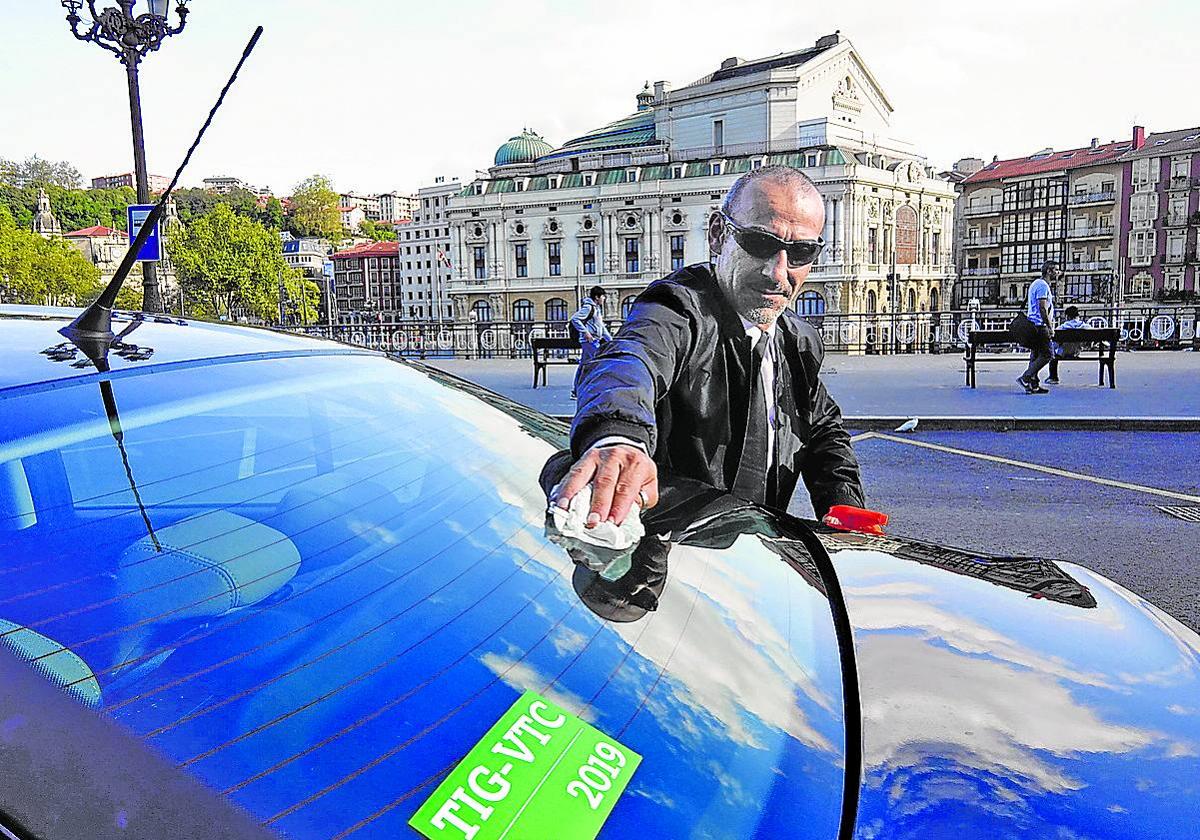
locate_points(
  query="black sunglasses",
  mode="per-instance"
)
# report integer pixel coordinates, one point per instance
(763, 245)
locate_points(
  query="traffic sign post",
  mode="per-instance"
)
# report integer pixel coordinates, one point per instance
(135, 214)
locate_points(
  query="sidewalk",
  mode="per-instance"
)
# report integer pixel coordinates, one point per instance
(873, 390)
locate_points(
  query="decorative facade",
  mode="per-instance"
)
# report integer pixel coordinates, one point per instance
(1160, 203)
(1051, 205)
(629, 202)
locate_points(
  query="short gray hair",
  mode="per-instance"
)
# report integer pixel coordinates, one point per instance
(786, 175)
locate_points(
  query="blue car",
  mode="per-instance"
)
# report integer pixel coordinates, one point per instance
(254, 583)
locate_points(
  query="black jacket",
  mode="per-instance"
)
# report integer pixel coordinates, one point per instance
(676, 379)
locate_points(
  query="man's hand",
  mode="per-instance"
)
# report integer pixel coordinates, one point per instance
(587, 336)
(618, 474)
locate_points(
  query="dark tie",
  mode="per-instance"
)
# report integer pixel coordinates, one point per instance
(751, 480)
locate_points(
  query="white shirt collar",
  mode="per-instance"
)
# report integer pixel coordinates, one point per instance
(753, 331)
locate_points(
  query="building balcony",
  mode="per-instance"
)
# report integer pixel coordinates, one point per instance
(1181, 182)
(1093, 232)
(984, 208)
(1097, 265)
(1174, 259)
(983, 242)
(1176, 221)
(1105, 197)
(985, 271)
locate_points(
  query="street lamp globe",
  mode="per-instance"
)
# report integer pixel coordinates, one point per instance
(158, 8)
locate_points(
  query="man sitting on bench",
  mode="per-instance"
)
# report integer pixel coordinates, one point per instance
(1068, 349)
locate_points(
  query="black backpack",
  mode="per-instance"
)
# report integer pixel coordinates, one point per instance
(572, 330)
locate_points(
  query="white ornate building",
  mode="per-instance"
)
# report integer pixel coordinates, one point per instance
(627, 203)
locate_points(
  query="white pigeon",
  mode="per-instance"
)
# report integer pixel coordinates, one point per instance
(909, 425)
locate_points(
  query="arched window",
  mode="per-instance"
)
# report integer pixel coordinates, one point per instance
(912, 300)
(871, 302)
(522, 310)
(934, 302)
(627, 305)
(810, 302)
(1012, 292)
(556, 309)
(482, 310)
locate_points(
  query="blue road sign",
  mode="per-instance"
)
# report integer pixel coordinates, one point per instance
(135, 214)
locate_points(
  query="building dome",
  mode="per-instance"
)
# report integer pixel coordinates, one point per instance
(526, 147)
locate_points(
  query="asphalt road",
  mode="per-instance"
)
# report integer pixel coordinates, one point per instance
(1010, 509)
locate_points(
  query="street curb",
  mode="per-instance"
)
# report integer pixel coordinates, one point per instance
(1017, 424)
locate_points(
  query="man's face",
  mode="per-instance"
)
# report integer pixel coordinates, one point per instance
(760, 289)
(600, 301)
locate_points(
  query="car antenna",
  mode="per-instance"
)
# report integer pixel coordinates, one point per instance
(92, 330)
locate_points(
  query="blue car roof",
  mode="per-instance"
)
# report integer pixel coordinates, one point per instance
(34, 352)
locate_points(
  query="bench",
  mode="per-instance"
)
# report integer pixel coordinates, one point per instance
(1105, 352)
(543, 348)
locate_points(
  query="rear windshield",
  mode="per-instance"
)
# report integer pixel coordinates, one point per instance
(314, 583)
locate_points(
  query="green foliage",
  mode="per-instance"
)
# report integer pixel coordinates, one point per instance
(376, 231)
(75, 209)
(301, 300)
(315, 209)
(271, 216)
(34, 171)
(192, 203)
(42, 271)
(229, 265)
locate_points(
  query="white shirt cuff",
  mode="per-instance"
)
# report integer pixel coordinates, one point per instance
(613, 440)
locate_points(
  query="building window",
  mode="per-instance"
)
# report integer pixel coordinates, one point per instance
(523, 310)
(631, 175)
(718, 133)
(810, 303)
(480, 263)
(631, 256)
(556, 310)
(676, 252)
(589, 255)
(676, 171)
(587, 180)
(935, 248)
(934, 300)
(810, 159)
(482, 310)
(912, 300)
(714, 169)
(522, 254)
(627, 305)
(871, 301)
(873, 246)
(554, 256)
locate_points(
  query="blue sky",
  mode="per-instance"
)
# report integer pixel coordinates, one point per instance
(387, 95)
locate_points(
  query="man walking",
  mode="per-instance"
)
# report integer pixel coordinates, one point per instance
(588, 322)
(1039, 309)
(714, 377)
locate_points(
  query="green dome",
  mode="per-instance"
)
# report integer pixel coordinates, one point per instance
(526, 147)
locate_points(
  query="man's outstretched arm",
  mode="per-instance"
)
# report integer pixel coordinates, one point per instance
(618, 392)
(829, 466)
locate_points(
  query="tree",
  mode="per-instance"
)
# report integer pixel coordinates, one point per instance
(315, 209)
(229, 265)
(271, 216)
(45, 271)
(75, 209)
(36, 171)
(376, 231)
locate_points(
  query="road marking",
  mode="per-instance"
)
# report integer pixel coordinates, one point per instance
(1107, 482)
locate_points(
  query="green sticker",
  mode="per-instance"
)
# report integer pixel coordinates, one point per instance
(538, 772)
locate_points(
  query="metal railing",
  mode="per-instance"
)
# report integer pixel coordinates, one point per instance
(1097, 265)
(946, 331)
(982, 242)
(984, 208)
(1089, 232)
(1090, 198)
(984, 271)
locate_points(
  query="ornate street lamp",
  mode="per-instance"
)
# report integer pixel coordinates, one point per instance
(131, 38)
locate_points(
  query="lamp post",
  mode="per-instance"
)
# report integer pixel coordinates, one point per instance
(131, 37)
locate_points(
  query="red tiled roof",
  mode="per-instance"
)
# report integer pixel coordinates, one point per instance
(371, 249)
(1052, 162)
(97, 231)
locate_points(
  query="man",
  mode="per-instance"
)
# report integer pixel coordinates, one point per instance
(713, 377)
(1039, 309)
(589, 324)
(1067, 350)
